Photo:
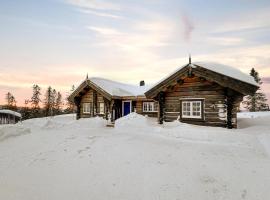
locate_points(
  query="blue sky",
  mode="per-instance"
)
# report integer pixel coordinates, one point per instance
(56, 42)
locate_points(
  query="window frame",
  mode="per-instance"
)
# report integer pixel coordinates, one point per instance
(191, 116)
(86, 111)
(146, 107)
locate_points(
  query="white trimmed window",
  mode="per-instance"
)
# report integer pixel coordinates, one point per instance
(101, 108)
(86, 108)
(149, 107)
(192, 109)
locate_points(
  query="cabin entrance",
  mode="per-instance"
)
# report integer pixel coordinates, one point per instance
(126, 107)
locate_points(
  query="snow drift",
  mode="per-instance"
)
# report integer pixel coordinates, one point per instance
(64, 158)
(8, 131)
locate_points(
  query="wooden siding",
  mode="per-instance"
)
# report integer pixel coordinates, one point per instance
(87, 98)
(8, 118)
(139, 108)
(195, 87)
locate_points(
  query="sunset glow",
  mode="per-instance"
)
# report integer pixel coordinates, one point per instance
(57, 42)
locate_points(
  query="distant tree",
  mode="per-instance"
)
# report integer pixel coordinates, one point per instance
(256, 102)
(26, 112)
(70, 106)
(49, 102)
(11, 102)
(35, 100)
(58, 103)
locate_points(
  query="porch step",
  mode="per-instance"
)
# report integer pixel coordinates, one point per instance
(110, 125)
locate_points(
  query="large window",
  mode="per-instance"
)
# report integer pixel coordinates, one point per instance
(149, 107)
(86, 108)
(192, 109)
(101, 108)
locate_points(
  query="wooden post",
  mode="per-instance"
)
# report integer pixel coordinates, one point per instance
(95, 103)
(77, 102)
(106, 111)
(229, 112)
(229, 102)
(161, 103)
(112, 111)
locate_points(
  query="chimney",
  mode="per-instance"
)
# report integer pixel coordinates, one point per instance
(142, 83)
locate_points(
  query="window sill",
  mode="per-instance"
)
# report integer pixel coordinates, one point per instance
(192, 119)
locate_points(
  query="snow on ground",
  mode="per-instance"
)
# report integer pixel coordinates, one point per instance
(62, 158)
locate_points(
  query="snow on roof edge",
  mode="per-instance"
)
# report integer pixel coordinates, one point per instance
(227, 70)
(6, 111)
(235, 75)
(116, 88)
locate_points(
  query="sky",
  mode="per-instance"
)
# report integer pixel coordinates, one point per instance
(57, 42)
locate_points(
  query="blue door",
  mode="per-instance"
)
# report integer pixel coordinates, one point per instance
(126, 108)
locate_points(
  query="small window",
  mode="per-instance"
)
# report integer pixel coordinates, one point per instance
(101, 108)
(86, 108)
(192, 109)
(149, 107)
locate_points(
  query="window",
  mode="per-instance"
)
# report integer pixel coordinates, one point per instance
(101, 108)
(86, 108)
(192, 109)
(149, 107)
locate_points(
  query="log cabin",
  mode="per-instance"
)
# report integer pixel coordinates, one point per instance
(203, 94)
(111, 100)
(9, 116)
(198, 93)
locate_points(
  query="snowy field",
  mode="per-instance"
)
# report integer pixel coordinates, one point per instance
(63, 159)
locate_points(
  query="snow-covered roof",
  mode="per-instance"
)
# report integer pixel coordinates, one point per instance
(11, 112)
(218, 68)
(228, 71)
(118, 89)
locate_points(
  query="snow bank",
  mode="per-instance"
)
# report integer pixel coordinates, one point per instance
(65, 122)
(12, 131)
(264, 139)
(253, 114)
(86, 123)
(132, 121)
(255, 120)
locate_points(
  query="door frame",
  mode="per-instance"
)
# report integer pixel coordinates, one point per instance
(130, 108)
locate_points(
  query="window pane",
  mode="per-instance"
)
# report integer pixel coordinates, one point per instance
(191, 109)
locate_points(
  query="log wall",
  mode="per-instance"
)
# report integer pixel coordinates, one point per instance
(139, 108)
(89, 97)
(213, 96)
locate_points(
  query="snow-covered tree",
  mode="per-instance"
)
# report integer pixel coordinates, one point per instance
(256, 102)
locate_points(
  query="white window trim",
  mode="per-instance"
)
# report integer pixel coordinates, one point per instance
(85, 111)
(147, 106)
(123, 106)
(191, 101)
(103, 111)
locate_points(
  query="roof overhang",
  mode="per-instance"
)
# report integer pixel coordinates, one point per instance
(223, 80)
(83, 86)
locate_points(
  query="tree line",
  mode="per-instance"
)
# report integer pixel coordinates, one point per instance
(51, 104)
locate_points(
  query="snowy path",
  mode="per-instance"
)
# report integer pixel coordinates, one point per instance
(61, 158)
